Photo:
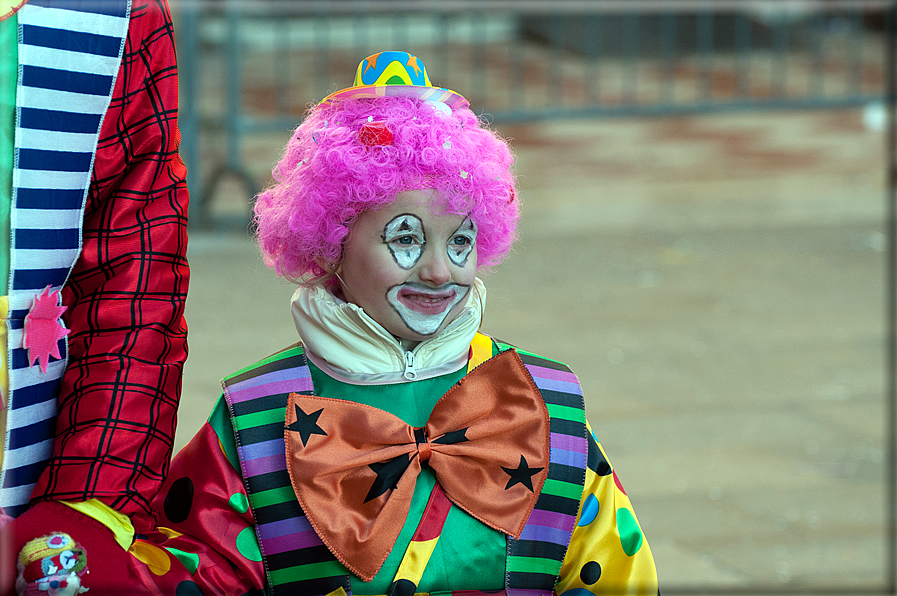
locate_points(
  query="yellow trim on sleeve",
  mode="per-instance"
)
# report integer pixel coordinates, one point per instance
(118, 523)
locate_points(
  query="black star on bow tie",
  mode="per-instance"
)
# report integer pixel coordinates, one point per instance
(306, 425)
(388, 475)
(523, 474)
(453, 437)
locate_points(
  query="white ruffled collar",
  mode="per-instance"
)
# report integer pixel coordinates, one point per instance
(340, 338)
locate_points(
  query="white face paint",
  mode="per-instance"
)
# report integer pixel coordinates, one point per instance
(404, 236)
(423, 309)
(462, 242)
(397, 265)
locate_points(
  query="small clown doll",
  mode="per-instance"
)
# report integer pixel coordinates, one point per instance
(51, 566)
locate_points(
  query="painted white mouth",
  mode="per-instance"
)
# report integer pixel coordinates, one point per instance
(424, 323)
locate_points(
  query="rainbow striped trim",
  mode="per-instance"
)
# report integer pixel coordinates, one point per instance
(534, 560)
(296, 560)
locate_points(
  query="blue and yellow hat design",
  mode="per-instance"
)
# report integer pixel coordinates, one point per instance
(395, 74)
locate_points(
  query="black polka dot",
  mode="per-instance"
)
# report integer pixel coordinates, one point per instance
(597, 463)
(590, 573)
(188, 588)
(402, 587)
(179, 500)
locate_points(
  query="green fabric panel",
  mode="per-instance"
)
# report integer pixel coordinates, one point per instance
(562, 489)
(259, 418)
(468, 553)
(9, 68)
(504, 347)
(565, 412)
(467, 549)
(220, 422)
(275, 496)
(532, 565)
(412, 402)
(310, 571)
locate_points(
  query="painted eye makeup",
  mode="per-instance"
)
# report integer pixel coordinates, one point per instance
(461, 242)
(404, 235)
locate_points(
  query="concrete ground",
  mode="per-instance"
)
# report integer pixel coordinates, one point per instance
(717, 283)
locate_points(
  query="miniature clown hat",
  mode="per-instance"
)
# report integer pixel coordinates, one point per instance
(395, 74)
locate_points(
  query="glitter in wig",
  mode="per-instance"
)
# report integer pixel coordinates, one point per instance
(327, 177)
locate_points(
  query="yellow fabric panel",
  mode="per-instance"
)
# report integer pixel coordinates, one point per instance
(413, 564)
(118, 523)
(597, 552)
(481, 348)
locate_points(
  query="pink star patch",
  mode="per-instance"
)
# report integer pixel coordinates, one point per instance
(43, 328)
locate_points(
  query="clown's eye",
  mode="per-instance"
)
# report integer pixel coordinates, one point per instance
(461, 243)
(67, 559)
(404, 235)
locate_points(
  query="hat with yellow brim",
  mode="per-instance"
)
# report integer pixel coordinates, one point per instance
(395, 74)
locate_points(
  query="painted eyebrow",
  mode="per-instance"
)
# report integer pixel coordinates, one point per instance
(466, 225)
(404, 226)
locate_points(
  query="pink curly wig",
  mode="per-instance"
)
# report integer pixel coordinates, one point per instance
(327, 177)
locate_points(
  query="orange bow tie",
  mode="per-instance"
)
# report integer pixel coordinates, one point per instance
(353, 467)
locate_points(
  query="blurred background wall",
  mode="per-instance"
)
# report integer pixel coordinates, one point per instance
(703, 240)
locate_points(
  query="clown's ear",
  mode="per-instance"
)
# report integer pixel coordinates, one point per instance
(330, 267)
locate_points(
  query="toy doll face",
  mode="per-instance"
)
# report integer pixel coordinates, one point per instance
(409, 269)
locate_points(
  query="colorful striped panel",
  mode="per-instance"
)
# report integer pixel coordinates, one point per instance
(296, 560)
(69, 58)
(534, 560)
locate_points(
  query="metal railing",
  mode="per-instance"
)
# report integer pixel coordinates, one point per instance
(250, 68)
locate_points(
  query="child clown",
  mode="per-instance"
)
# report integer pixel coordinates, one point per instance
(394, 449)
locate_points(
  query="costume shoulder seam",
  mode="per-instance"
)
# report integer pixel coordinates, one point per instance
(288, 352)
(531, 357)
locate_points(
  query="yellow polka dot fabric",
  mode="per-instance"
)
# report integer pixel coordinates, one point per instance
(608, 553)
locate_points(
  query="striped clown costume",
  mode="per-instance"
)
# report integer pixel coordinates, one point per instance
(93, 207)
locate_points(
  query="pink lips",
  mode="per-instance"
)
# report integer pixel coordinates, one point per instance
(427, 303)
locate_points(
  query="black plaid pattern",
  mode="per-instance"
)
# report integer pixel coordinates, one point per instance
(126, 294)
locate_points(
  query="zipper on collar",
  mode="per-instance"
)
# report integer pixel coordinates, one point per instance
(410, 373)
